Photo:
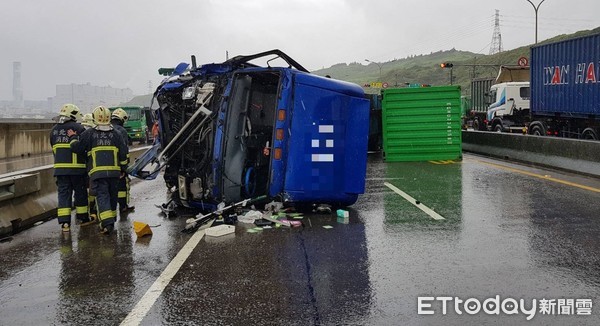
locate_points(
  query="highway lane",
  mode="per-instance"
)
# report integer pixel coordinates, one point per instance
(508, 230)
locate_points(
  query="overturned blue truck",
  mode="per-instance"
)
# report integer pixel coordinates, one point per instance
(236, 130)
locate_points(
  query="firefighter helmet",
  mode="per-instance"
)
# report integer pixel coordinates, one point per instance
(101, 116)
(70, 111)
(120, 114)
(88, 120)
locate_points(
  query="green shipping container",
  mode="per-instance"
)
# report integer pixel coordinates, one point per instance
(422, 124)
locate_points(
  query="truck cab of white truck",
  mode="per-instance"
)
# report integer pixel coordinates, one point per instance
(509, 106)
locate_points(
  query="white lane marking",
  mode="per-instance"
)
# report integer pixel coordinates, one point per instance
(141, 309)
(411, 200)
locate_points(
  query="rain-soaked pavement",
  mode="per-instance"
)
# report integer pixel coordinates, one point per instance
(509, 231)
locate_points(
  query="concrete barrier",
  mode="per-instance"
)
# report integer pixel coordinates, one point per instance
(579, 156)
(23, 138)
(29, 196)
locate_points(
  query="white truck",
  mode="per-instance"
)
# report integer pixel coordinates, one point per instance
(508, 100)
(510, 109)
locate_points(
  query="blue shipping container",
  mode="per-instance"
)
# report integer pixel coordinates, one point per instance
(565, 78)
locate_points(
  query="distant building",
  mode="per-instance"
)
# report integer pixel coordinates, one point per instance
(87, 97)
(17, 88)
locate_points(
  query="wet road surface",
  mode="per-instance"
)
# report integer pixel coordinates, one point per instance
(508, 230)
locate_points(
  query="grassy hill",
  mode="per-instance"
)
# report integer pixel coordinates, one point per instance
(425, 69)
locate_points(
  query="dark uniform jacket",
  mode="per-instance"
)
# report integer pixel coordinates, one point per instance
(106, 151)
(118, 127)
(65, 161)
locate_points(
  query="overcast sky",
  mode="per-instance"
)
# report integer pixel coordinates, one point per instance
(122, 43)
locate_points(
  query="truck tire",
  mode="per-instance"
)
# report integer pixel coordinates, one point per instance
(589, 134)
(537, 130)
(476, 125)
(498, 128)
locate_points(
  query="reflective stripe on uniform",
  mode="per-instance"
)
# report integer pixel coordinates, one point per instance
(122, 194)
(74, 164)
(65, 211)
(69, 166)
(81, 209)
(60, 145)
(104, 168)
(97, 149)
(106, 214)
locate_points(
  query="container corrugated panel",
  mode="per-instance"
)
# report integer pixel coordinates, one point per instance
(479, 87)
(565, 77)
(422, 124)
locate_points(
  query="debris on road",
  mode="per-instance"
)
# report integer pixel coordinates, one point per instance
(250, 216)
(220, 230)
(141, 229)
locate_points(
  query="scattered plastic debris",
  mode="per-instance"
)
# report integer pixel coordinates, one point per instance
(274, 206)
(262, 222)
(141, 229)
(323, 209)
(38, 223)
(342, 213)
(250, 217)
(220, 230)
(327, 227)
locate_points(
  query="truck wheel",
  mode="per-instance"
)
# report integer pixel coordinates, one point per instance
(589, 134)
(476, 124)
(537, 131)
(498, 128)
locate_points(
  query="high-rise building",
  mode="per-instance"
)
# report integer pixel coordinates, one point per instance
(18, 101)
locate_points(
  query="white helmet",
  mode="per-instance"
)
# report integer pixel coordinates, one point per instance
(70, 111)
(102, 118)
(88, 120)
(120, 114)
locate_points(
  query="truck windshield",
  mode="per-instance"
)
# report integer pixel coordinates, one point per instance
(134, 114)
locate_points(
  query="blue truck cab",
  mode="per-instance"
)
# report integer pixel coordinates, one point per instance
(234, 130)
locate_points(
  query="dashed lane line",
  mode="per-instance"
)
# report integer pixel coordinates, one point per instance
(141, 309)
(411, 200)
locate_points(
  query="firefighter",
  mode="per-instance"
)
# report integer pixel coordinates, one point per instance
(106, 164)
(88, 122)
(69, 168)
(118, 118)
